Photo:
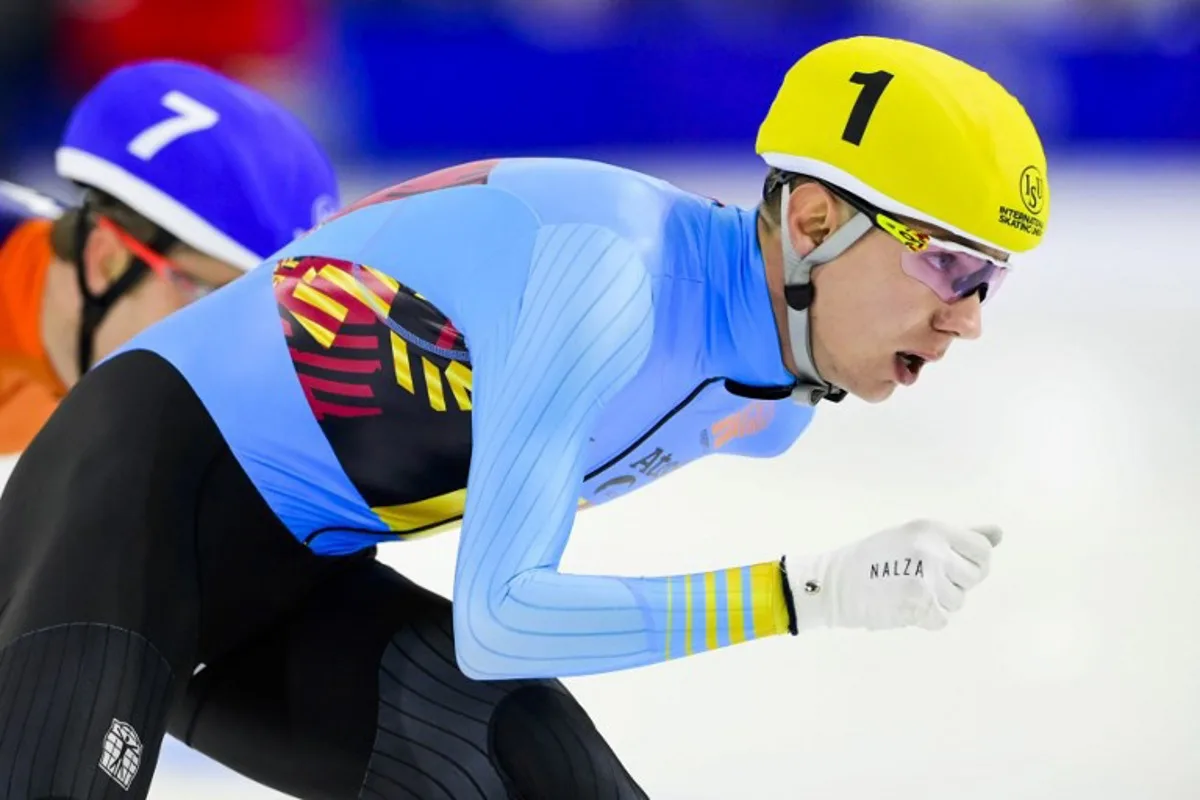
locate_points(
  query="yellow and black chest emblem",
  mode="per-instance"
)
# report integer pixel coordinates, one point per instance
(388, 378)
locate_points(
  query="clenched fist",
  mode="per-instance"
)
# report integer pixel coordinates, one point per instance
(916, 574)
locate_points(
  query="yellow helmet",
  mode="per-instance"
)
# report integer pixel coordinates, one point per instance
(915, 132)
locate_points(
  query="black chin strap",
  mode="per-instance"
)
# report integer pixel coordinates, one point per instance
(96, 307)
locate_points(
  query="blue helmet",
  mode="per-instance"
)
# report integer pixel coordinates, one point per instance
(218, 165)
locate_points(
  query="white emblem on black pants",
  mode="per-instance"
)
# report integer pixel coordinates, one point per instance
(122, 753)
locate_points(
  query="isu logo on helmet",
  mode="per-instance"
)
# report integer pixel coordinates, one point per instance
(1033, 189)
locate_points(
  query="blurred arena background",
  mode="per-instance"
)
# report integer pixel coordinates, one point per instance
(1075, 671)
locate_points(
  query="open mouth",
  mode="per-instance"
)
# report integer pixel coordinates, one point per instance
(908, 367)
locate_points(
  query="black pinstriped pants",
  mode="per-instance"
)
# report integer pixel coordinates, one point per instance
(145, 588)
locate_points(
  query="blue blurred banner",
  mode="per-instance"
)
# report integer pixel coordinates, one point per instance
(543, 76)
(442, 80)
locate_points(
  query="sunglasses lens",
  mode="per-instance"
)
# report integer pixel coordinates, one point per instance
(952, 274)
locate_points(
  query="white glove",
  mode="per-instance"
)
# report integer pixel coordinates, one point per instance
(915, 574)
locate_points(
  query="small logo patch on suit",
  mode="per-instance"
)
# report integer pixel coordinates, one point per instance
(122, 754)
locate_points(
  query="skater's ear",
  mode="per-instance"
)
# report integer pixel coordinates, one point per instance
(813, 210)
(814, 213)
(105, 258)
